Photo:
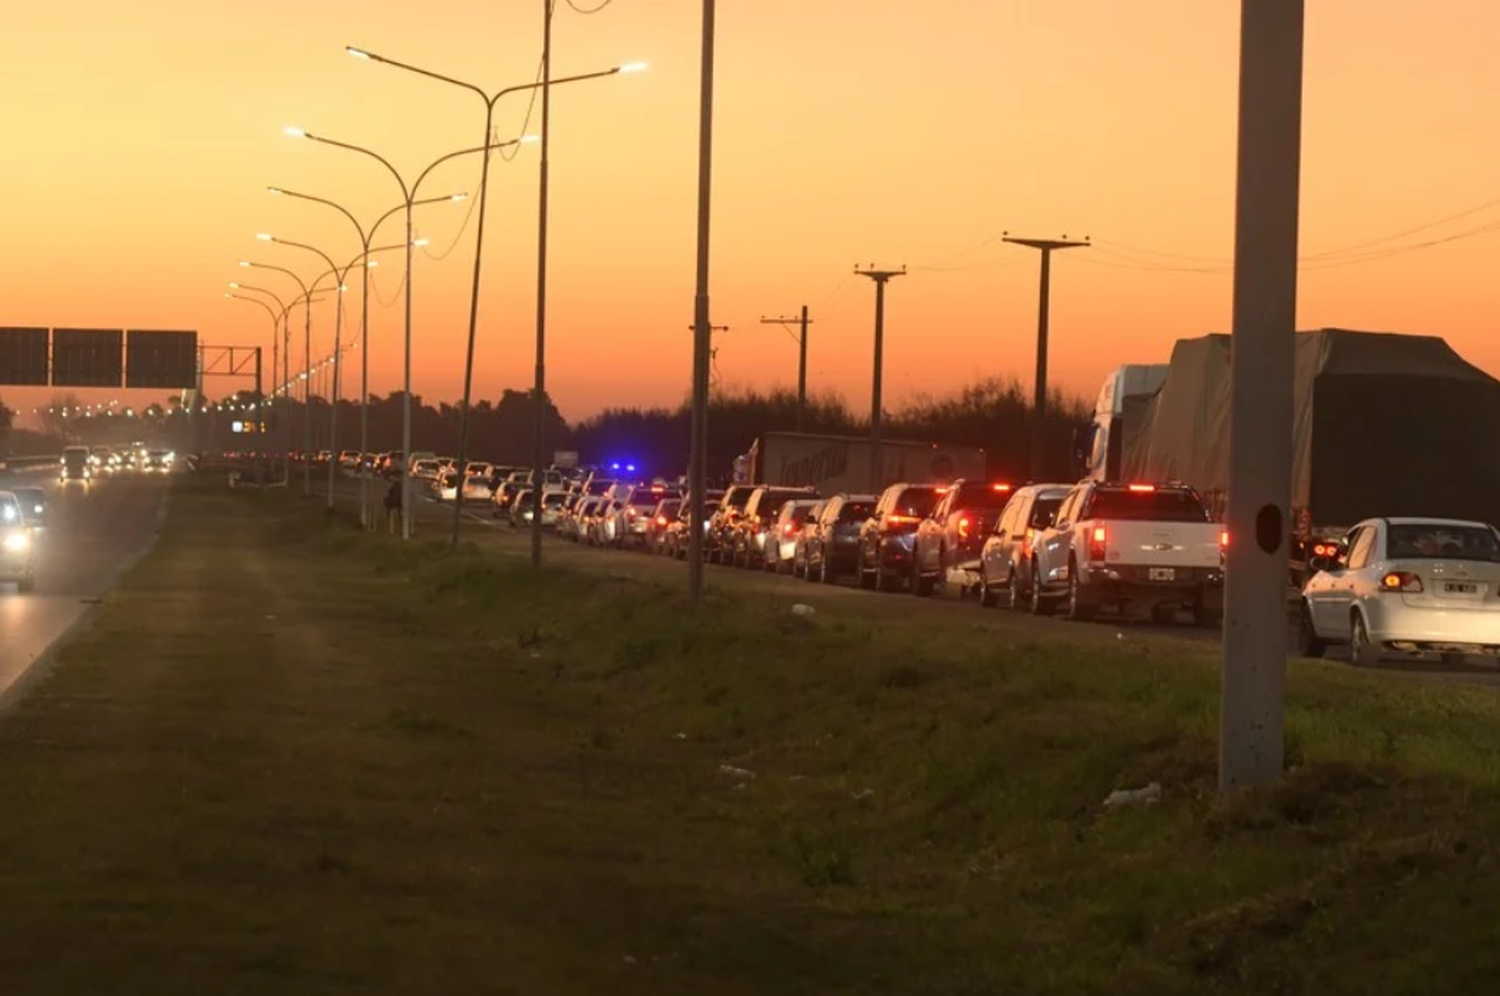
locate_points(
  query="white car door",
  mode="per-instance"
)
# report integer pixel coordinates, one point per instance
(1053, 545)
(1345, 584)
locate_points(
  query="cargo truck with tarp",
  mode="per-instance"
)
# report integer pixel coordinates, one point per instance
(1383, 424)
(835, 464)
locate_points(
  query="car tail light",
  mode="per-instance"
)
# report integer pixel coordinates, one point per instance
(1143, 487)
(789, 528)
(630, 513)
(963, 527)
(1402, 581)
(898, 519)
(661, 520)
(1000, 487)
(1096, 543)
(1223, 545)
(1030, 536)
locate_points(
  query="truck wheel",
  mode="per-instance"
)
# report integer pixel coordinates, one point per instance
(921, 586)
(986, 593)
(826, 573)
(868, 579)
(1165, 615)
(1309, 644)
(1077, 610)
(1206, 618)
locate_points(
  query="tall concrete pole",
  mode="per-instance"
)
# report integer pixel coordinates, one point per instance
(1252, 692)
(702, 331)
(877, 457)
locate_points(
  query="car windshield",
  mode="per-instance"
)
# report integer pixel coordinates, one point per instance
(1153, 505)
(856, 511)
(978, 494)
(772, 499)
(1442, 541)
(554, 499)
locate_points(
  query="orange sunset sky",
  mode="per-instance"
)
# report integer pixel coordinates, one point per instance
(139, 139)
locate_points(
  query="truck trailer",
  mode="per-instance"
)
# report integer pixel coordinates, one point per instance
(1383, 424)
(835, 464)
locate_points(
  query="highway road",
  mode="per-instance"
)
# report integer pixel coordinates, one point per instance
(92, 533)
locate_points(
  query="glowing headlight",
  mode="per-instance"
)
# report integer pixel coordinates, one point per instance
(16, 542)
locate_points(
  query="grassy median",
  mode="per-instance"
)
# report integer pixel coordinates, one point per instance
(291, 759)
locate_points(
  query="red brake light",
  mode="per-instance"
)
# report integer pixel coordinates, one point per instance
(788, 528)
(661, 520)
(941, 491)
(1402, 581)
(901, 518)
(1223, 538)
(1030, 536)
(630, 513)
(963, 527)
(1142, 487)
(1001, 487)
(1096, 543)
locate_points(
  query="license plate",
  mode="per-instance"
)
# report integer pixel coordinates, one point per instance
(1461, 588)
(1162, 574)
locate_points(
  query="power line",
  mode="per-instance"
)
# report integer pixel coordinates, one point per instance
(590, 10)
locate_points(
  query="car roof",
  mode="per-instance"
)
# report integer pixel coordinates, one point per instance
(1422, 520)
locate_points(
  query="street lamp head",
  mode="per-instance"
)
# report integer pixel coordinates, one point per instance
(633, 67)
(358, 53)
(265, 237)
(294, 132)
(528, 139)
(421, 242)
(244, 262)
(458, 197)
(275, 190)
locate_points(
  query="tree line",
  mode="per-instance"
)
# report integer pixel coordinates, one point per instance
(993, 414)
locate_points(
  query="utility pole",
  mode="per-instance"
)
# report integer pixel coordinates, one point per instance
(877, 461)
(1039, 398)
(702, 330)
(802, 323)
(1252, 693)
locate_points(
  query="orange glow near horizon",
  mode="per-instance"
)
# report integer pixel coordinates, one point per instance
(140, 142)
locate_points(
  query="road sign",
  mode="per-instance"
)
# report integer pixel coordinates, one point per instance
(23, 357)
(156, 359)
(565, 459)
(88, 358)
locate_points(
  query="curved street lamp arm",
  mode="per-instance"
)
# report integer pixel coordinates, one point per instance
(323, 200)
(405, 193)
(236, 285)
(415, 69)
(454, 155)
(303, 245)
(275, 319)
(278, 269)
(555, 81)
(402, 207)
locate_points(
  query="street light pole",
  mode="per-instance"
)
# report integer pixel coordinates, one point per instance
(1039, 399)
(365, 238)
(489, 113)
(307, 332)
(539, 385)
(702, 333)
(1252, 690)
(877, 457)
(259, 397)
(409, 202)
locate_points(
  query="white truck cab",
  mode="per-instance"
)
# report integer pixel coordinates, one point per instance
(1130, 546)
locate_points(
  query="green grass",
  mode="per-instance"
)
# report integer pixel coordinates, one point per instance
(291, 759)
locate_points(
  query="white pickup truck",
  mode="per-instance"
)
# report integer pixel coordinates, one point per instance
(1131, 546)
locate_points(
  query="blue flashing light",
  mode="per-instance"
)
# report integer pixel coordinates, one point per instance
(630, 467)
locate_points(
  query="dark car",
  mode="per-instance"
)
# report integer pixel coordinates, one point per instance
(887, 537)
(950, 540)
(718, 542)
(833, 541)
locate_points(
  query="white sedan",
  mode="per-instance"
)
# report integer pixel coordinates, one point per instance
(1408, 585)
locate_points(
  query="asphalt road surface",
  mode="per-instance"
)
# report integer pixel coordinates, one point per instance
(91, 534)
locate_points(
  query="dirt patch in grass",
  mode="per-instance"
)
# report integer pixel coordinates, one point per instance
(289, 759)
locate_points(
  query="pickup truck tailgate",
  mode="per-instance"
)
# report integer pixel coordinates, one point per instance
(1159, 544)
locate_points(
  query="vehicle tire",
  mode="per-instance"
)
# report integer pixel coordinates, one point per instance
(1163, 615)
(1453, 658)
(987, 598)
(1206, 618)
(1076, 610)
(1309, 643)
(826, 574)
(1362, 653)
(921, 585)
(1040, 606)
